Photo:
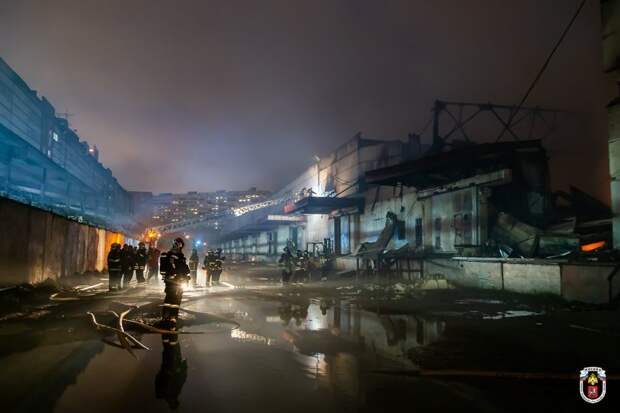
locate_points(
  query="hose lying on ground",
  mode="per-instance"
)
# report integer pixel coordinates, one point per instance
(154, 329)
(123, 336)
(78, 293)
(213, 316)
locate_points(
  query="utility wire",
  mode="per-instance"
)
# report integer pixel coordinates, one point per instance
(542, 69)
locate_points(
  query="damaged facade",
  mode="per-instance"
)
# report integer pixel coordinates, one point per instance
(406, 209)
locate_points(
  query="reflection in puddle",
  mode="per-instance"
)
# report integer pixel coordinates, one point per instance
(324, 326)
(246, 337)
(317, 351)
(171, 377)
(511, 314)
(335, 341)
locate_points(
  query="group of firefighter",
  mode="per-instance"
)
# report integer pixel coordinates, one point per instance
(299, 265)
(124, 262)
(213, 264)
(174, 268)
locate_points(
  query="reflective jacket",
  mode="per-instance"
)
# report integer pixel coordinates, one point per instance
(141, 258)
(114, 260)
(127, 258)
(178, 264)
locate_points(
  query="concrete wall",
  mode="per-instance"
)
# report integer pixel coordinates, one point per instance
(573, 282)
(487, 275)
(533, 278)
(36, 245)
(578, 285)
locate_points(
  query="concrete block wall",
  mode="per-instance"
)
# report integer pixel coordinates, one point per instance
(486, 275)
(533, 278)
(579, 285)
(36, 245)
(574, 282)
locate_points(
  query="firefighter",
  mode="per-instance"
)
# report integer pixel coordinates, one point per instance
(299, 273)
(176, 274)
(214, 265)
(127, 264)
(114, 267)
(219, 265)
(287, 261)
(193, 266)
(153, 263)
(140, 260)
(209, 266)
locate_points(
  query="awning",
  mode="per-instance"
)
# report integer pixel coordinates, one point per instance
(314, 205)
(268, 223)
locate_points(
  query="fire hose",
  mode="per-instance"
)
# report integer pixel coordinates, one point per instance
(127, 341)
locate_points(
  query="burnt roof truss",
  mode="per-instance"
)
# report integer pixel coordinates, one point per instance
(451, 120)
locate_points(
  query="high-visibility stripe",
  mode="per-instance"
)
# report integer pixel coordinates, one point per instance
(171, 305)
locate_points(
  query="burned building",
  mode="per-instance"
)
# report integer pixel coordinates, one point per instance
(475, 213)
(461, 192)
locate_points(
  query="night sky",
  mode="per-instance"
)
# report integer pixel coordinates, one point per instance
(204, 95)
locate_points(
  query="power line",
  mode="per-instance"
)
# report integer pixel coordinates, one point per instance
(543, 68)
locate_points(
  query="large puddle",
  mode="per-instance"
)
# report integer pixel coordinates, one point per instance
(296, 355)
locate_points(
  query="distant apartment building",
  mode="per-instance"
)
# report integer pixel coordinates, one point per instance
(176, 208)
(43, 162)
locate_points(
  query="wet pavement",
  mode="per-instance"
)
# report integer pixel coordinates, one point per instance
(317, 347)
